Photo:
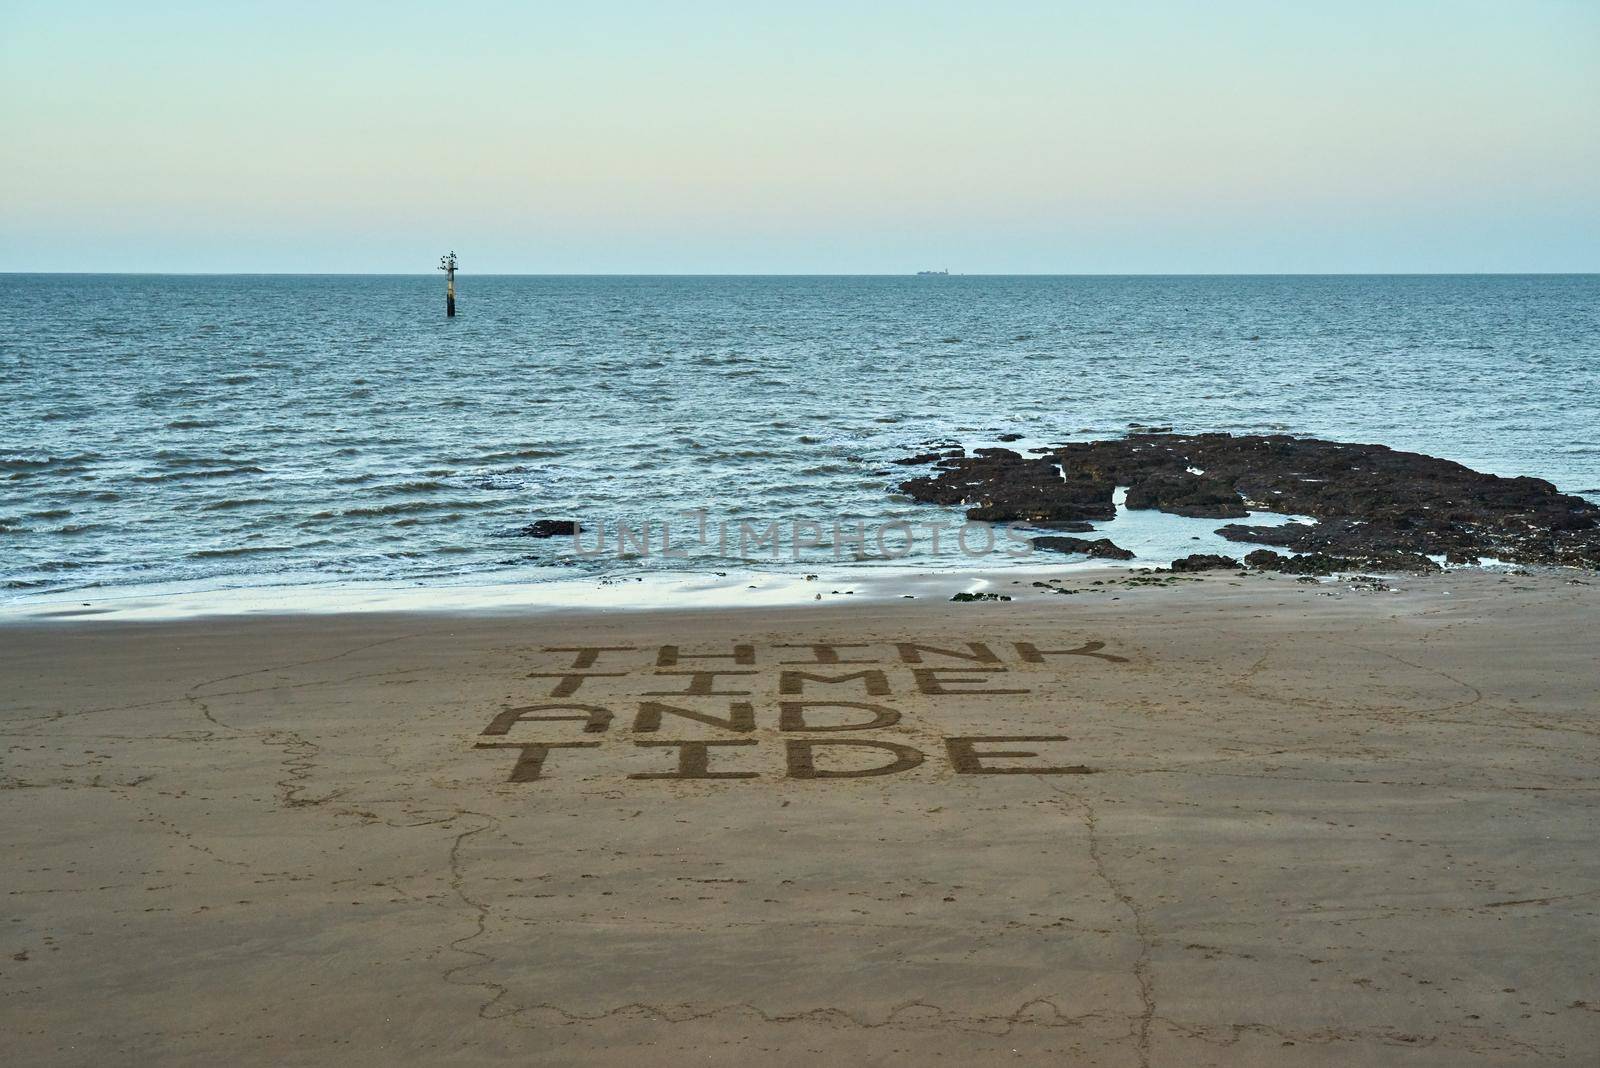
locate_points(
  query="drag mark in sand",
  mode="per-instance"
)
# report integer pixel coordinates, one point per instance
(480, 909)
(1234, 1033)
(1141, 966)
(305, 663)
(908, 1015)
(1477, 694)
(299, 753)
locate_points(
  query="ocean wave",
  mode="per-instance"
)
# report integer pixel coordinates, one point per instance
(508, 482)
(226, 456)
(405, 507)
(239, 550)
(202, 473)
(234, 502)
(41, 461)
(58, 565)
(430, 520)
(529, 453)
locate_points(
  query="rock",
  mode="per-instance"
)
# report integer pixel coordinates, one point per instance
(1324, 564)
(1317, 564)
(980, 597)
(548, 528)
(1370, 502)
(1001, 486)
(1284, 535)
(919, 458)
(1009, 437)
(1399, 561)
(1188, 494)
(1301, 564)
(1102, 548)
(1206, 562)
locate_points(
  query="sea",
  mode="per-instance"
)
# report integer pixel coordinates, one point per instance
(310, 439)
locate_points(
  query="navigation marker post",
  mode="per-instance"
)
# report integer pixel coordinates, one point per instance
(447, 264)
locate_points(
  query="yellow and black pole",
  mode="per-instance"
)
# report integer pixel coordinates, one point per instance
(447, 264)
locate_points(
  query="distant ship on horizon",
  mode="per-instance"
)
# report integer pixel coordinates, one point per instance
(923, 274)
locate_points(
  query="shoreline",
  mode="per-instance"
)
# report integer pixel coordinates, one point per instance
(1366, 509)
(651, 591)
(552, 582)
(1218, 820)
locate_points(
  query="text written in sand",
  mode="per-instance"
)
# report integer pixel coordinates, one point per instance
(746, 708)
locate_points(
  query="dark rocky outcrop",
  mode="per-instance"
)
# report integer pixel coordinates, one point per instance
(548, 528)
(1198, 496)
(1206, 562)
(1103, 548)
(1306, 564)
(1376, 507)
(1002, 486)
(1323, 564)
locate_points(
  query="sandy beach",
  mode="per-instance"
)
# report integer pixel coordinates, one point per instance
(737, 535)
(1228, 821)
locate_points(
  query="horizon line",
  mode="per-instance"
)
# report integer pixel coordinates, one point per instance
(812, 274)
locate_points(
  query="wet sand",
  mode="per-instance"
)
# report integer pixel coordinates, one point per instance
(1262, 822)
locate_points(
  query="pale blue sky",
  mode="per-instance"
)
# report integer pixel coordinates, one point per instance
(1035, 137)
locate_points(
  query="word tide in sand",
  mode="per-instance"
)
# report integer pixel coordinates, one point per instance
(817, 694)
